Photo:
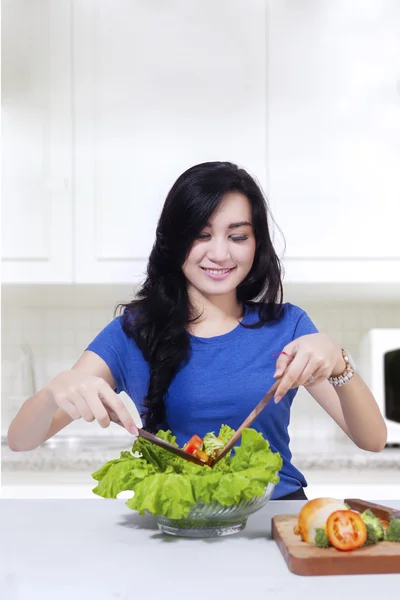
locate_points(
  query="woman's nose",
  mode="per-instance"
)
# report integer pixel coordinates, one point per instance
(218, 251)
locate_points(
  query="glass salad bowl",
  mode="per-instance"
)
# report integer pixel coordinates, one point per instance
(213, 520)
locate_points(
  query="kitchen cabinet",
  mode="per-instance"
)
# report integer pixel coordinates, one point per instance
(143, 92)
(333, 138)
(104, 108)
(36, 199)
(157, 89)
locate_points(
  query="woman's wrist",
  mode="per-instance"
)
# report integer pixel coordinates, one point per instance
(340, 365)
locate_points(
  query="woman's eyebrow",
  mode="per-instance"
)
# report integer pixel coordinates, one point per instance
(239, 224)
(235, 225)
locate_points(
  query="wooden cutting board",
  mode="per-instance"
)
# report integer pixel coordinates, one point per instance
(306, 559)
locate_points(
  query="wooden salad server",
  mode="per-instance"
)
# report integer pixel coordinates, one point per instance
(246, 423)
(131, 408)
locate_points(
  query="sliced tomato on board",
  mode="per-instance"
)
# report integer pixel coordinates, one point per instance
(346, 530)
(193, 444)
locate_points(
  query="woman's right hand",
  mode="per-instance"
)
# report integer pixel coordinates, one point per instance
(91, 398)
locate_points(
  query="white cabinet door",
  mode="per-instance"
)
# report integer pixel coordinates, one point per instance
(334, 130)
(36, 224)
(158, 87)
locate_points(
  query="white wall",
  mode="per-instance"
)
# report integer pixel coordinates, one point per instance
(329, 131)
(58, 322)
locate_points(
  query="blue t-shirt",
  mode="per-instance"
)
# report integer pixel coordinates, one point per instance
(224, 379)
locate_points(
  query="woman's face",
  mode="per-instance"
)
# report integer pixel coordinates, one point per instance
(223, 254)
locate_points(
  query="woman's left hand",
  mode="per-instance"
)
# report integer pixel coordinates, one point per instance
(308, 360)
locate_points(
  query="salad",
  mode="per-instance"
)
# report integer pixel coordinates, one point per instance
(208, 448)
(167, 485)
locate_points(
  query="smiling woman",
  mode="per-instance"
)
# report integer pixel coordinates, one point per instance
(207, 335)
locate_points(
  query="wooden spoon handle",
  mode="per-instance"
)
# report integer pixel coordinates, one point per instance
(247, 422)
(167, 446)
(380, 511)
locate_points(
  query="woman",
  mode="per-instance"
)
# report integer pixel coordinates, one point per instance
(207, 335)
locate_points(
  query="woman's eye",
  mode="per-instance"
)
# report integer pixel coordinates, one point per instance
(239, 238)
(234, 238)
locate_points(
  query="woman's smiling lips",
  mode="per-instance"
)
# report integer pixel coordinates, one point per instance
(217, 273)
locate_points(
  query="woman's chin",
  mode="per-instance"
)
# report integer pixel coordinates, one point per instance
(222, 289)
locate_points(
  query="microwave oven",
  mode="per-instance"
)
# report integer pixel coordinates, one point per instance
(379, 366)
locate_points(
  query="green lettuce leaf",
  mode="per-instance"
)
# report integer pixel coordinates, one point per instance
(158, 457)
(122, 476)
(225, 433)
(167, 436)
(165, 494)
(230, 488)
(102, 472)
(254, 451)
(205, 485)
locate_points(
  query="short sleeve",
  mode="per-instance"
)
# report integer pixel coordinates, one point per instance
(111, 345)
(301, 322)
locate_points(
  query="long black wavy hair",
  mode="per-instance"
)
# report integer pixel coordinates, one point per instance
(157, 319)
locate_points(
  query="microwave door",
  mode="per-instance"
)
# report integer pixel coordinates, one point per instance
(392, 385)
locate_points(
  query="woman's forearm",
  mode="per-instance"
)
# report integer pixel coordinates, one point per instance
(362, 415)
(30, 426)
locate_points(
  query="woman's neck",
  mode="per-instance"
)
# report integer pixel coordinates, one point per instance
(216, 315)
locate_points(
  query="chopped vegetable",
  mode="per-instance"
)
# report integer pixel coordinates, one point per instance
(321, 538)
(202, 455)
(346, 530)
(374, 524)
(372, 537)
(393, 530)
(212, 443)
(195, 443)
(314, 515)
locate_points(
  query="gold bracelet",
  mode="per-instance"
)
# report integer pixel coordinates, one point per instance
(344, 377)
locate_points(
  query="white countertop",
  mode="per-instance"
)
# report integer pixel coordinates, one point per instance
(84, 549)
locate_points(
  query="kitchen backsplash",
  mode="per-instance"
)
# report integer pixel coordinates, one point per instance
(50, 336)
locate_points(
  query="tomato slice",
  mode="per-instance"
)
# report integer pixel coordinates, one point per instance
(346, 530)
(193, 444)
